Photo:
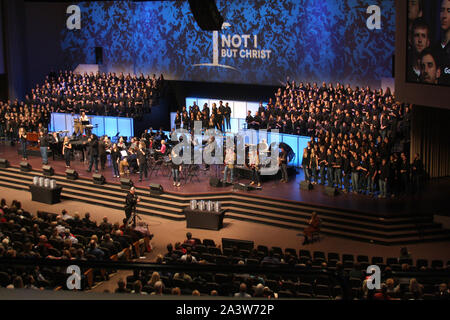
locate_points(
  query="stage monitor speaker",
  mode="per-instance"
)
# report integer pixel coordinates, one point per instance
(331, 191)
(98, 55)
(4, 163)
(156, 189)
(206, 14)
(245, 187)
(25, 166)
(71, 174)
(215, 182)
(98, 179)
(126, 183)
(48, 170)
(306, 185)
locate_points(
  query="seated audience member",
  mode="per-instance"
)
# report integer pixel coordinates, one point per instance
(242, 292)
(137, 287)
(189, 239)
(159, 288)
(443, 293)
(95, 251)
(121, 287)
(176, 291)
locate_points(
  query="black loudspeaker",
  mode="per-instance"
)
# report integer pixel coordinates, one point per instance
(214, 182)
(4, 163)
(330, 191)
(25, 166)
(98, 55)
(245, 187)
(306, 185)
(126, 183)
(48, 170)
(71, 174)
(156, 189)
(98, 179)
(206, 14)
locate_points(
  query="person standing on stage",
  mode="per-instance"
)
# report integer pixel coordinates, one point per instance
(44, 146)
(330, 169)
(23, 143)
(66, 151)
(102, 146)
(322, 164)
(283, 164)
(227, 114)
(313, 165)
(115, 159)
(176, 168)
(93, 152)
(130, 204)
(306, 165)
(255, 165)
(230, 160)
(142, 161)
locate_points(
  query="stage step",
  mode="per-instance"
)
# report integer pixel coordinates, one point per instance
(442, 236)
(367, 232)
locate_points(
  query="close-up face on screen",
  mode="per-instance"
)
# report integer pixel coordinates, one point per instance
(428, 49)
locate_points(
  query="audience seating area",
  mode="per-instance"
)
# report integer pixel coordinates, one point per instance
(320, 275)
(60, 237)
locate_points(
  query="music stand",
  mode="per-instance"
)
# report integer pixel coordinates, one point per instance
(132, 219)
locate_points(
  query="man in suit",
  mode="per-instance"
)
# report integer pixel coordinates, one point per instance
(102, 146)
(130, 204)
(93, 152)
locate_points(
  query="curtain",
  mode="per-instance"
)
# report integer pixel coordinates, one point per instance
(430, 137)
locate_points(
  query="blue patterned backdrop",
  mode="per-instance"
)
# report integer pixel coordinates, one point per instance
(309, 40)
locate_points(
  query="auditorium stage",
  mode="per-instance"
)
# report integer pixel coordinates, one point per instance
(434, 198)
(284, 205)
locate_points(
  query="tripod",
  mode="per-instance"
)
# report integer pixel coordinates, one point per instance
(132, 220)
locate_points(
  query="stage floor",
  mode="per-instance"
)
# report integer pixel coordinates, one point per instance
(433, 199)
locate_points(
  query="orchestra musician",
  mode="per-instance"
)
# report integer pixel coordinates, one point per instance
(85, 122)
(67, 150)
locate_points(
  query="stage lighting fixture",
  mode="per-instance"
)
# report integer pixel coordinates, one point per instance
(156, 189)
(25, 166)
(48, 170)
(126, 183)
(4, 163)
(71, 174)
(98, 179)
